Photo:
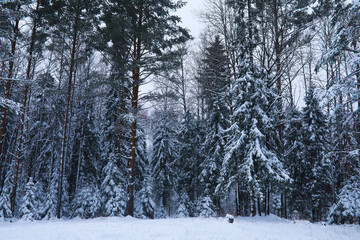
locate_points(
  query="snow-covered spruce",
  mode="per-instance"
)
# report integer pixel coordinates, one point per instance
(112, 189)
(347, 209)
(87, 203)
(28, 209)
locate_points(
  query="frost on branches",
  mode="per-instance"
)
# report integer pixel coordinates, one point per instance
(5, 210)
(205, 208)
(87, 203)
(145, 205)
(28, 209)
(347, 209)
(113, 192)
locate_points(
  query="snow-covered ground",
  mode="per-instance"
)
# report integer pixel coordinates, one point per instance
(258, 228)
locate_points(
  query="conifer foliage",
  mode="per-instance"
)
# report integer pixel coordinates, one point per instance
(163, 161)
(28, 209)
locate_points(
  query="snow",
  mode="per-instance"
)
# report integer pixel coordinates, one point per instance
(257, 228)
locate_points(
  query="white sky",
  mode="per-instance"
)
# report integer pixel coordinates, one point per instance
(189, 16)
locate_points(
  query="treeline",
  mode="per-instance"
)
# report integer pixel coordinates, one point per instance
(221, 131)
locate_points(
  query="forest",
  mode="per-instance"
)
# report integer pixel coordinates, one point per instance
(110, 108)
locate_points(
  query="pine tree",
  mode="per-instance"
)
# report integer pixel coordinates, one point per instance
(151, 33)
(14, 15)
(69, 18)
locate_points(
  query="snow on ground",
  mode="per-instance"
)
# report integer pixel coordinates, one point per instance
(258, 228)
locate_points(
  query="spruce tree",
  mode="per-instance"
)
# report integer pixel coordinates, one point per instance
(28, 209)
(113, 189)
(314, 188)
(87, 202)
(214, 147)
(5, 208)
(293, 148)
(346, 210)
(206, 207)
(184, 206)
(250, 162)
(145, 204)
(48, 211)
(162, 164)
(189, 159)
(213, 75)
(215, 80)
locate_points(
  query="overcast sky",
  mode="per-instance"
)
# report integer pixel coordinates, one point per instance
(189, 16)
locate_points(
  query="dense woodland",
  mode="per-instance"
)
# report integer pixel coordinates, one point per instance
(108, 108)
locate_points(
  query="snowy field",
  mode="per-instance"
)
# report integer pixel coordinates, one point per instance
(258, 228)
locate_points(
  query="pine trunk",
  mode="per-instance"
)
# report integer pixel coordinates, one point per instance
(8, 81)
(120, 121)
(68, 100)
(23, 111)
(134, 104)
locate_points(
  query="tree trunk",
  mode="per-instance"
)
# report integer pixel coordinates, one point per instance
(282, 206)
(120, 122)
(8, 83)
(183, 84)
(253, 199)
(134, 104)
(278, 67)
(357, 70)
(23, 111)
(259, 205)
(285, 206)
(237, 200)
(265, 202)
(268, 202)
(250, 28)
(68, 100)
